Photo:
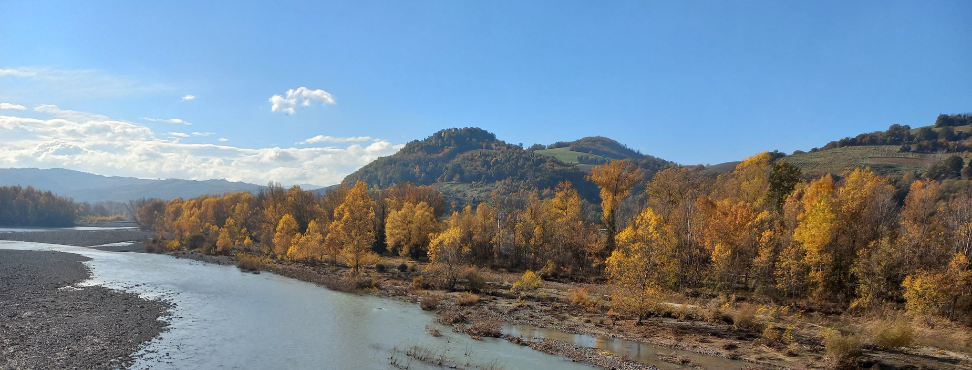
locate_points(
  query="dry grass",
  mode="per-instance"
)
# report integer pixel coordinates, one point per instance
(942, 333)
(431, 302)
(891, 332)
(843, 349)
(467, 299)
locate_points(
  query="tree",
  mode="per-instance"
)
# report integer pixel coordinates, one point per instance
(816, 231)
(286, 235)
(641, 265)
(310, 245)
(353, 228)
(407, 229)
(615, 178)
(446, 254)
(783, 178)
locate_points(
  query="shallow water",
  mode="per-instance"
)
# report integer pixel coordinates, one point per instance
(227, 319)
(77, 228)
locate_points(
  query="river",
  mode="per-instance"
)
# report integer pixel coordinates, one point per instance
(228, 319)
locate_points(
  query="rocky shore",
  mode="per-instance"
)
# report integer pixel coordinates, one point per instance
(48, 322)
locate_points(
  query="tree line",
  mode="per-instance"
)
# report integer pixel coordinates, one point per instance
(21, 206)
(763, 229)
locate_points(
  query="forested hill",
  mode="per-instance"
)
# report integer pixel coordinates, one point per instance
(86, 187)
(469, 163)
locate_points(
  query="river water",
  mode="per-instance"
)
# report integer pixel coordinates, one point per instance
(228, 319)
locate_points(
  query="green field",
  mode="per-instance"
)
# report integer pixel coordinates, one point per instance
(568, 156)
(882, 159)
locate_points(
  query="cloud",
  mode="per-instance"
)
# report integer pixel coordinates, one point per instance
(94, 143)
(12, 106)
(333, 139)
(75, 81)
(223, 139)
(202, 133)
(188, 97)
(172, 120)
(302, 96)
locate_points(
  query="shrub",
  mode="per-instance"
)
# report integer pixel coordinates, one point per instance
(196, 241)
(379, 267)
(249, 262)
(577, 296)
(366, 283)
(476, 280)
(418, 282)
(402, 267)
(467, 299)
(430, 302)
(450, 317)
(528, 282)
(550, 270)
(486, 327)
(173, 245)
(745, 319)
(844, 350)
(892, 333)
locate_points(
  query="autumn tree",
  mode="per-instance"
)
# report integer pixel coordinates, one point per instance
(641, 266)
(407, 229)
(285, 235)
(353, 228)
(616, 179)
(446, 255)
(310, 244)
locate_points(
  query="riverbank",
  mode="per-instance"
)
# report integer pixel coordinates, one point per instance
(47, 321)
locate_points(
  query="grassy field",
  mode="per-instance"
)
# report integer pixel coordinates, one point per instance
(966, 128)
(570, 157)
(882, 159)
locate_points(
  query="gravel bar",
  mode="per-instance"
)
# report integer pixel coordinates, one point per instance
(47, 322)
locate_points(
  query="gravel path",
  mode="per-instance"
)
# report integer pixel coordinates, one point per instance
(46, 322)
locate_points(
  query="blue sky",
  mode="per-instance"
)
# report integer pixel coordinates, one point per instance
(100, 83)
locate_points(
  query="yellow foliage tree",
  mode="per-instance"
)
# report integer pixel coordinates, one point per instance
(353, 228)
(407, 229)
(615, 178)
(446, 254)
(286, 235)
(310, 245)
(641, 265)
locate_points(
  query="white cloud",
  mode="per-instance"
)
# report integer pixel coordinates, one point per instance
(188, 97)
(202, 133)
(12, 106)
(76, 81)
(223, 139)
(172, 120)
(302, 96)
(333, 139)
(17, 72)
(98, 144)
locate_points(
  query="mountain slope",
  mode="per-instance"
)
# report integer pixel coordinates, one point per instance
(86, 187)
(468, 164)
(594, 150)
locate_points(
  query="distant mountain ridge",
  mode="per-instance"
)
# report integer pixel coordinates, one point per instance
(86, 187)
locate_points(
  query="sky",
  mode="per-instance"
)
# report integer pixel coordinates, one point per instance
(307, 92)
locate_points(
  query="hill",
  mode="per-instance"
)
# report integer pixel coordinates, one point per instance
(594, 150)
(896, 151)
(468, 164)
(86, 187)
